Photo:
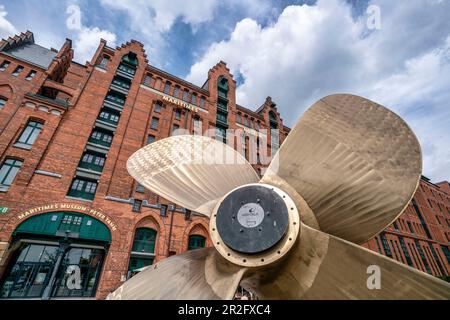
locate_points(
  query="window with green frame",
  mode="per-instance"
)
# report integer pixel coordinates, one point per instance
(30, 133)
(121, 82)
(101, 137)
(8, 172)
(137, 263)
(109, 116)
(70, 222)
(82, 188)
(115, 98)
(196, 242)
(144, 240)
(92, 161)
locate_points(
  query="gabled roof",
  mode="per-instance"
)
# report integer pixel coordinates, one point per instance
(22, 47)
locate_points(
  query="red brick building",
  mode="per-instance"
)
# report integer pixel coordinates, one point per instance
(73, 223)
(66, 131)
(420, 237)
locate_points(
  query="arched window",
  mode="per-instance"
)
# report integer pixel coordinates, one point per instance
(222, 86)
(142, 252)
(196, 242)
(144, 240)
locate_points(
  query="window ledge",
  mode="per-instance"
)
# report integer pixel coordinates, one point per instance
(4, 188)
(22, 146)
(81, 199)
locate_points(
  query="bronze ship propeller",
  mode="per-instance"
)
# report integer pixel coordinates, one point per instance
(346, 171)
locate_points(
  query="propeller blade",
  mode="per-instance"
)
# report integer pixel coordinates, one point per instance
(356, 164)
(191, 171)
(196, 274)
(348, 270)
(326, 267)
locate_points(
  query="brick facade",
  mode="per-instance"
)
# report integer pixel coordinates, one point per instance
(67, 98)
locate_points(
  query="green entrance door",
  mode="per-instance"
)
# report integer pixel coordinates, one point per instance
(60, 254)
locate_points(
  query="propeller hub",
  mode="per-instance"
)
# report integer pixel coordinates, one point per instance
(254, 224)
(252, 219)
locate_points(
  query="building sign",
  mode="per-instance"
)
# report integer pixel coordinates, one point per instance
(3, 210)
(180, 103)
(68, 207)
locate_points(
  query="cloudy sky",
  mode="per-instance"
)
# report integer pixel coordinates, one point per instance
(396, 53)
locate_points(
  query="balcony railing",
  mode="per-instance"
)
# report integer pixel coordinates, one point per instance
(100, 142)
(91, 166)
(81, 194)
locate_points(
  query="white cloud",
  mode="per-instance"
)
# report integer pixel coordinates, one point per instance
(7, 29)
(312, 51)
(159, 15)
(87, 38)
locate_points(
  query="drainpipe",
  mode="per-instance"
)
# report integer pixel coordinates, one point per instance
(170, 230)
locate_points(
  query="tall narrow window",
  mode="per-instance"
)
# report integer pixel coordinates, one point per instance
(5, 64)
(385, 244)
(155, 122)
(186, 95)
(202, 102)
(137, 205)
(30, 133)
(194, 99)
(148, 80)
(174, 129)
(30, 75)
(150, 139)
(104, 61)
(163, 210)
(17, 71)
(238, 118)
(167, 87)
(176, 91)
(410, 227)
(8, 172)
(178, 114)
(422, 256)
(157, 107)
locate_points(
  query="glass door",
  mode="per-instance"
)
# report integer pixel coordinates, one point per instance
(79, 272)
(30, 273)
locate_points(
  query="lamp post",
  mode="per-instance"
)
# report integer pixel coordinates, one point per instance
(63, 245)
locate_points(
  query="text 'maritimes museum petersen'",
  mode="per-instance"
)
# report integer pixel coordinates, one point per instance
(73, 222)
